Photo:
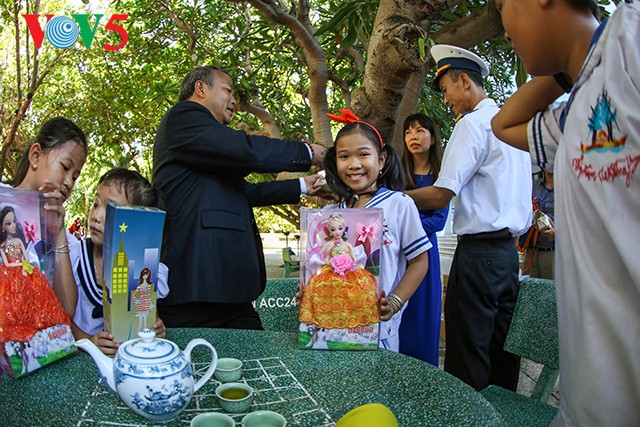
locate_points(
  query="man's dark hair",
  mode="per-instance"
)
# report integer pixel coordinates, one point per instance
(135, 187)
(454, 73)
(590, 5)
(201, 72)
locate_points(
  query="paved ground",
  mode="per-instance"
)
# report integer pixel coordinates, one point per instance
(529, 370)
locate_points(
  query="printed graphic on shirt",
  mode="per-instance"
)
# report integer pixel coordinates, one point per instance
(605, 137)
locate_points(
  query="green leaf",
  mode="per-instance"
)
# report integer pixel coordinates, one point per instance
(449, 16)
(521, 73)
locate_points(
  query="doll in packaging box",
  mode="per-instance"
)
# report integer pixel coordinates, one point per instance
(33, 306)
(339, 307)
(34, 328)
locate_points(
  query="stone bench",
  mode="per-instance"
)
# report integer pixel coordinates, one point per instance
(277, 305)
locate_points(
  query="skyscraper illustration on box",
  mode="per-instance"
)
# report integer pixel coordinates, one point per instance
(131, 255)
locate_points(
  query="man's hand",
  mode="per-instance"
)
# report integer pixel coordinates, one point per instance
(316, 187)
(549, 233)
(319, 151)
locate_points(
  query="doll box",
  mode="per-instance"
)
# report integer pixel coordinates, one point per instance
(340, 269)
(131, 256)
(18, 359)
(34, 329)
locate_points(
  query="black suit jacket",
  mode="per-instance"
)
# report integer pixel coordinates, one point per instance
(211, 243)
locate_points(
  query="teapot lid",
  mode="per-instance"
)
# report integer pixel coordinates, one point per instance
(148, 349)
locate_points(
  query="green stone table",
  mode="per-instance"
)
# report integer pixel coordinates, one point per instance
(310, 388)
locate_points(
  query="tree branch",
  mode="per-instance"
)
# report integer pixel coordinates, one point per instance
(269, 123)
(187, 29)
(472, 29)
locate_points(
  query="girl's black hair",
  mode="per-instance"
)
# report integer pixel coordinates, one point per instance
(19, 231)
(136, 188)
(391, 177)
(53, 133)
(435, 151)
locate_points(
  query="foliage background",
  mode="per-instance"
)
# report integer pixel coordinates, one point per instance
(119, 97)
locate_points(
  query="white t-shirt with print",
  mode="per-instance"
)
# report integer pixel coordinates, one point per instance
(596, 159)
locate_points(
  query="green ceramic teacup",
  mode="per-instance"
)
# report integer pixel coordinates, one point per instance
(264, 419)
(228, 369)
(235, 397)
(212, 419)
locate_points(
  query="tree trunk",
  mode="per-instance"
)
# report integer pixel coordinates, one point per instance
(393, 55)
(395, 71)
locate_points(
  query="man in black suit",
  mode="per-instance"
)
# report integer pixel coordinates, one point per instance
(211, 243)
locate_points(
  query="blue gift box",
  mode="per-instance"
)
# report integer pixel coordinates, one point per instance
(131, 255)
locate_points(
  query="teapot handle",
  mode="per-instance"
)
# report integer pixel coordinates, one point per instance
(214, 360)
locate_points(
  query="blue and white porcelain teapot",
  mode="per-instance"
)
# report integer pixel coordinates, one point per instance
(151, 375)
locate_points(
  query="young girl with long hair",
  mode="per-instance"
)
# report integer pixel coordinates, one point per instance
(422, 156)
(52, 164)
(366, 173)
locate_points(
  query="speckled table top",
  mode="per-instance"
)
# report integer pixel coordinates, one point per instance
(310, 388)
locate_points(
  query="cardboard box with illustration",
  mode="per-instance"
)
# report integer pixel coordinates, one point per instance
(340, 267)
(131, 256)
(34, 328)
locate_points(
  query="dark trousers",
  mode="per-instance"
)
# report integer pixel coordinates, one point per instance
(210, 315)
(481, 295)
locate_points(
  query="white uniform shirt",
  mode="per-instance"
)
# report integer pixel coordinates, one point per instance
(491, 179)
(403, 240)
(598, 228)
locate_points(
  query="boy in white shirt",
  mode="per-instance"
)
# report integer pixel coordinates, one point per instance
(592, 142)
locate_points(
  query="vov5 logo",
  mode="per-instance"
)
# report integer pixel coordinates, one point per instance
(62, 32)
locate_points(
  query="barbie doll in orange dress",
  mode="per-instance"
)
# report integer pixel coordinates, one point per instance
(340, 294)
(29, 303)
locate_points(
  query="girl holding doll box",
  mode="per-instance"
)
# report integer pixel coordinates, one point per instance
(363, 172)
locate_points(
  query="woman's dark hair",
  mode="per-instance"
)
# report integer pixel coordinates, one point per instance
(142, 273)
(136, 188)
(53, 134)
(19, 232)
(392, 175)
(435, 151)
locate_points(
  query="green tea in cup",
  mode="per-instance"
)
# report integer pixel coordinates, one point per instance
(235, 397)
(234, 393)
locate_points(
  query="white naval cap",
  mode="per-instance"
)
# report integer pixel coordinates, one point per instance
(454, 57)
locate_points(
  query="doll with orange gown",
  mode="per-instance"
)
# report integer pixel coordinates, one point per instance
(340, 294)
(27, 301)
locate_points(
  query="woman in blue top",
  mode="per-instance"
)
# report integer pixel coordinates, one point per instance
(422, 156)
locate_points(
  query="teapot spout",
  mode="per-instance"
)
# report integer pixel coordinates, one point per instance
(103, 362)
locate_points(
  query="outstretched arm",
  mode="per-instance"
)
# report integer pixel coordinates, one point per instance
(64, 284)
(431, 197)
(510, 124)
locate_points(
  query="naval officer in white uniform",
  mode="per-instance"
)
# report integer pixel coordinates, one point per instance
(493, 184)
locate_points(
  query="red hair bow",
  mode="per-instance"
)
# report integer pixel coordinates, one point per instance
(349, 116)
